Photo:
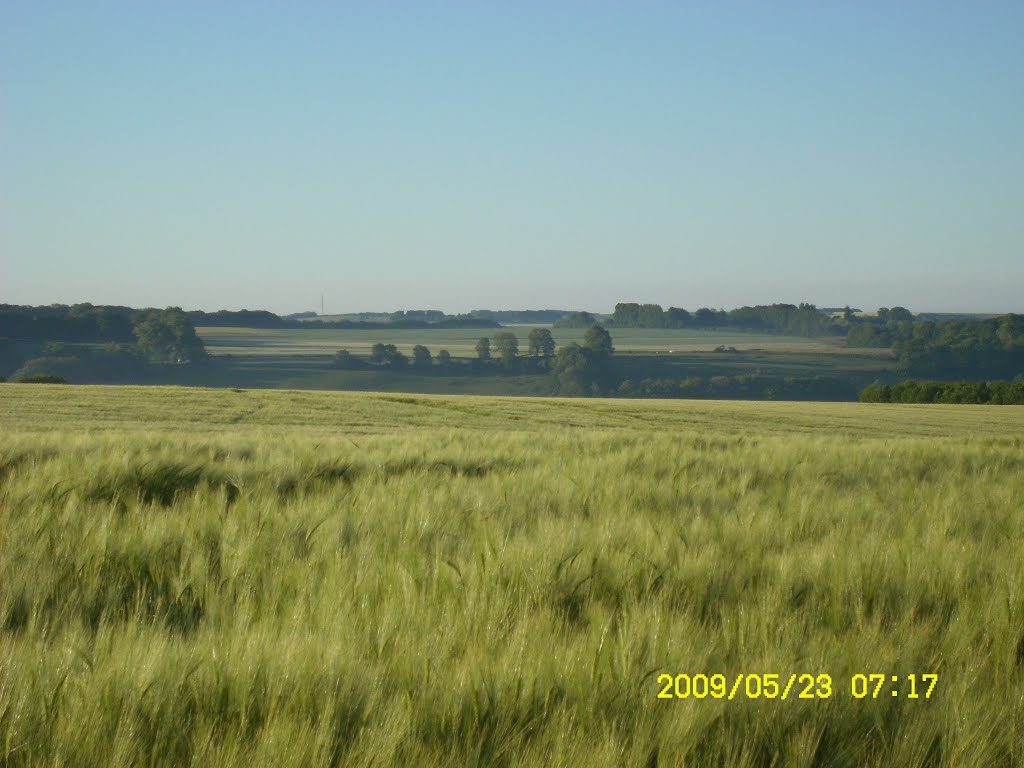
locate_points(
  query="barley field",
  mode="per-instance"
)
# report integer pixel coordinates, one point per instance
(199, 577)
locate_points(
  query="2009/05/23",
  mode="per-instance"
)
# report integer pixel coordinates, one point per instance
(800, 686)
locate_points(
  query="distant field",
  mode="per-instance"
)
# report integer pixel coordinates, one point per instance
(299, 341)
(461, 342)
(42, 407)
(237, 578)
(301, 359)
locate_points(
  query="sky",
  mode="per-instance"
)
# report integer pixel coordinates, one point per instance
(467, 155)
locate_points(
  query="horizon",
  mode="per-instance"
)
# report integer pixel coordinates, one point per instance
(567, 310)
(510, 156)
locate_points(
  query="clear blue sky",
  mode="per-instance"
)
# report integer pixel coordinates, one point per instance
(460, 155)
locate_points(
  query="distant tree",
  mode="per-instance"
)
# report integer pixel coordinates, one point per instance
(598, 341)
(156, 338)
(378, 353)
(483, 349)
(69, 368)
(867, 334)
(444, 358)
(584, 370)
(168, 336)
(876, 393)
(43, 378)
(626, 314)
(507, 346)
(677, 318)
(572, 371)
(899, 315)
(575, 320)
(542, 344)
(1010, 332)
(651, 316)
(579, 371)
(387, 354)
(421, 357)
(704, 317)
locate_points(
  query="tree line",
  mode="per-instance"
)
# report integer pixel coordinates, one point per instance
(792, 319)
(960, 392)
(525, 316)
(752, 386)
(990, 347)
(60, 322)
(89, 343)
(575, 369)
(501, 349)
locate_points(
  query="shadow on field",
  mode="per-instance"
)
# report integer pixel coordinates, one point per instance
(329, 473)
(162, 483)
(15, 459)
(158, 483)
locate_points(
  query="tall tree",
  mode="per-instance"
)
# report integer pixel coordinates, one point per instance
(542, 344)
(483, 349)
(627, 314)
(167, 336)
(651, 316)
(705, 318)
(507, 346)
(421, 356)
(676, 318)
(573, 370)
(387, 354)
(575, 320)
(900, 315)
(598, 341)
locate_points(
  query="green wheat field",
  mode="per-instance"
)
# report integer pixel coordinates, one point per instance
(196, 577)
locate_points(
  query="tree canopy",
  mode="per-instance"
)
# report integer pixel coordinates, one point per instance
(167, 336)
(483, 349)
(421, 357)
(804, 319)
(387, 354)
(584, 370)
(542, 344)
(506, 344)
(598, 341)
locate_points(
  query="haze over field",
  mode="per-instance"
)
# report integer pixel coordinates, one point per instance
(456, 156)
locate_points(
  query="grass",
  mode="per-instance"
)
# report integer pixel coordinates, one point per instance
(210, 577)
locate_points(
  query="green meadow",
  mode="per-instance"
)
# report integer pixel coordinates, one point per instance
(291, 578)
